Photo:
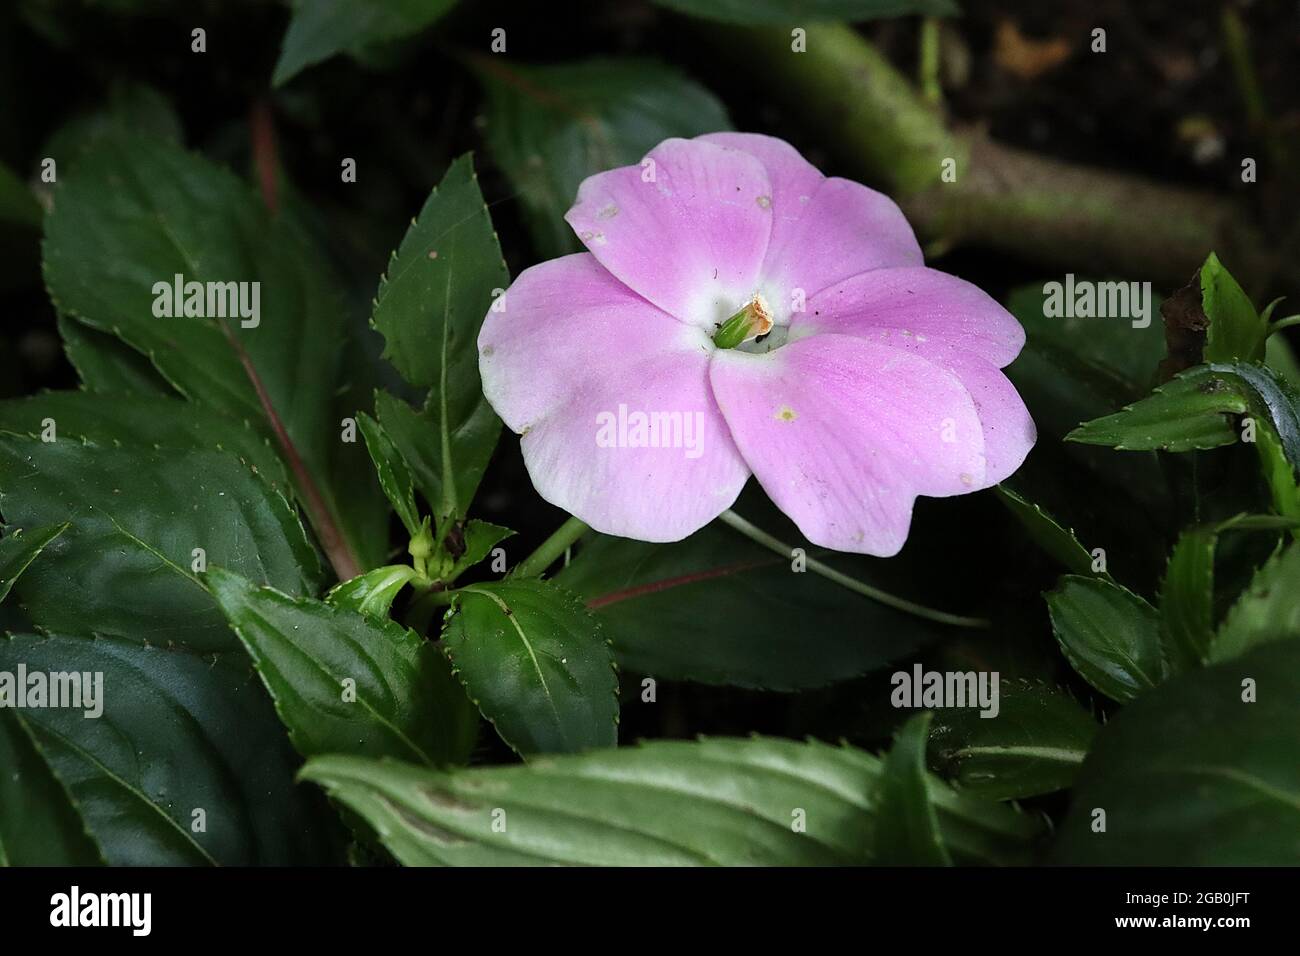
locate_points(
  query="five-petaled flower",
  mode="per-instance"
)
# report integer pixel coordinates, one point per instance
(727, 276)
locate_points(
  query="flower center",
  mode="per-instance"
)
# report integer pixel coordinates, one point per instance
(752, 320)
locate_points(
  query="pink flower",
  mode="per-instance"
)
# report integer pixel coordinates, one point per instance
(861, 378)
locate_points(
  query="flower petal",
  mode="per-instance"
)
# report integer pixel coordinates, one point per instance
(793, 178)
(659, 477)
(560, 323)
(845, 229)
(692, 238)
(571, 346)
(1009, 432)
(843, 434)
(920, 302)
(823, 230)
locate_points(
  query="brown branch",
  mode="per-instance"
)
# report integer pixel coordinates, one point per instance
(1047, 211)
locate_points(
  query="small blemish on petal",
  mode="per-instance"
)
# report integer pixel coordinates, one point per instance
(967, 479)
(785, 414)
(609, 212)
(803, 200)
(488, 351)
(764, 202)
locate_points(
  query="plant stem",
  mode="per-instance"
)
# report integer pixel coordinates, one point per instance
(551, 549)
(928, 71)
(843, 580)
(1045, 210)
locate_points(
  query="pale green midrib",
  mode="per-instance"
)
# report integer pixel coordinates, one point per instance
(140, 543)
(512, 618)
(303, 654)
(132, 790)
(1290, 801)
(450, 502)
(1058, 754)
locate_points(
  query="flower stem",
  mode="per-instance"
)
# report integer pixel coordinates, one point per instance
(843, 580)
(551, 549)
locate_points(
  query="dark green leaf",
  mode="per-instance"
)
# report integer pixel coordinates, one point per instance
(719, 609)
(154, 422)
(19, 548)
(1109, 634)
(394, 476)
(1236, 330)
(1190, 412)
(1057, 542)
(418, 437)
(710, 802)
(347, 683)
(136, 517)
(1271, 399)
(179, 733)
(536, 663)
(1201, 771)
(1268, 610)
(322, 28)
(439, 286)
(1279, 474)
(39, 824)
(1187, 599)
(906, 825)
(1034, 745)
(105, 363)
(550, 127)
(165, 212)
(795, 12)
